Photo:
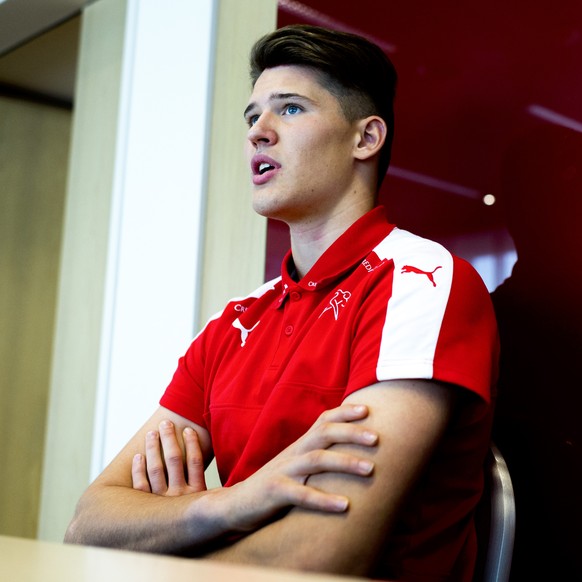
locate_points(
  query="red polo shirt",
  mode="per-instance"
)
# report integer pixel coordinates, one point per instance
(380, 304)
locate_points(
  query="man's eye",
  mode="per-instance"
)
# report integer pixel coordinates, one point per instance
(252, 120)
(291, 109)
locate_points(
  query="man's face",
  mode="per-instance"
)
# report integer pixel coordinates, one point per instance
(299, 146)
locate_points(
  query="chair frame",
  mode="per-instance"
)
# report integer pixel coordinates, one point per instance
(502, 527)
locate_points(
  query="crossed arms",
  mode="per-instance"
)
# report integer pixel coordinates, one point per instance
(347, 476)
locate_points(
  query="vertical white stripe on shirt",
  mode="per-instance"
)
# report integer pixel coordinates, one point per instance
(416, 308)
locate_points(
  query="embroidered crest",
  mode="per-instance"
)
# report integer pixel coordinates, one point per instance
(337, 302)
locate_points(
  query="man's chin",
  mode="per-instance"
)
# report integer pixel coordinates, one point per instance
(267, 208)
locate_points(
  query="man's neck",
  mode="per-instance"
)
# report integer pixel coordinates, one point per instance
(310, 239)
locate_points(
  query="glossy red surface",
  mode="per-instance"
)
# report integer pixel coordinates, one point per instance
(490, 102)
(472, 77)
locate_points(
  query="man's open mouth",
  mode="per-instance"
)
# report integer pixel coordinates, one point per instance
(264, 167)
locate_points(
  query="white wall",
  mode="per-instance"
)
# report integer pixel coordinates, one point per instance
(157, 212)
(147, 192)
(132, 231)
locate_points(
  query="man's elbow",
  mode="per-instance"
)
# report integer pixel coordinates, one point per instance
(79, 529)
(74, 533)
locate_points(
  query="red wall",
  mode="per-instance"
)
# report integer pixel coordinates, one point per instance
(490, 102)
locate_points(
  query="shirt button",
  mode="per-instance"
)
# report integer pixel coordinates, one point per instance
(289, 330)
(295, 296)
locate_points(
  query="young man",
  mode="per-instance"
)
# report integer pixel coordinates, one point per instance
(346, 402)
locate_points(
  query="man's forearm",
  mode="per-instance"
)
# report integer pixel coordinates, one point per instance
(410, 417)
(159, 508)
(307, 541)
(116, 516)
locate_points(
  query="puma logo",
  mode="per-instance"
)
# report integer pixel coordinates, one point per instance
(429, 274)
(244, 332)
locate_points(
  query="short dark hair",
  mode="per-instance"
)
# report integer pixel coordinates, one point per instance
(353, 69)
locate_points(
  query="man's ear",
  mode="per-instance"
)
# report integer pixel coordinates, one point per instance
(371, 137)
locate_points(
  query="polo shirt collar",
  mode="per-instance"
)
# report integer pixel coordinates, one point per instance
(346, 252)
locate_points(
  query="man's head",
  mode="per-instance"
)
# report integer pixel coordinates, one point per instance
(354, 70)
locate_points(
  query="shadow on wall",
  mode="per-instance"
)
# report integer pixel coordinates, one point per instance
(539, 309)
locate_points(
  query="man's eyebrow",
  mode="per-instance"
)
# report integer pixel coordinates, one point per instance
(278, 97)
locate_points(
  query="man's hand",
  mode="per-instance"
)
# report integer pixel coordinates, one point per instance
(163, 453)
(410, 417)
(279, 484)
(282, 482)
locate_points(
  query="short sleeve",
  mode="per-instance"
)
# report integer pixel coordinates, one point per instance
(429, 317)
(185, 393)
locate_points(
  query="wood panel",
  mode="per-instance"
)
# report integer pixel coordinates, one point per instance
(34, 143)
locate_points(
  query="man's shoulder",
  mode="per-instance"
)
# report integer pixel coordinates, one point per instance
(262, 290)
(400, 243)
(236, 306)
(406, 249)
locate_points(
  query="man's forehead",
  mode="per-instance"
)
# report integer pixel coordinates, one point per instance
(286, 81)
(280, 97)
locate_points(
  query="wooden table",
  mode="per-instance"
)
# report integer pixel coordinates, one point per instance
(23, 560)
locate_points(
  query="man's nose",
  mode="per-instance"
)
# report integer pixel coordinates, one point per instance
(263, 130)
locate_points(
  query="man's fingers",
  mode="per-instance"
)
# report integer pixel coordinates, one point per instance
(324, 461)
(173, 456)
(164, 466)
(309, 498)
(295, 491)
(139, 475)
(343, 413)
(194, 460)
(337, 426)
(155, 463)
(326, 434)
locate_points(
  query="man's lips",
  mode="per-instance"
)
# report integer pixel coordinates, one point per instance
(263, 168)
